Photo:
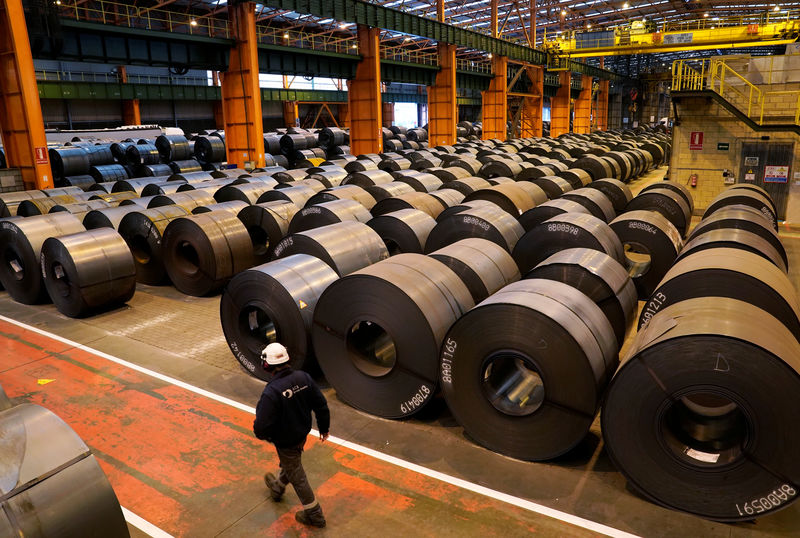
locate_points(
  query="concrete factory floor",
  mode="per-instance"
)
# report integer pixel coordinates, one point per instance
(186, 460)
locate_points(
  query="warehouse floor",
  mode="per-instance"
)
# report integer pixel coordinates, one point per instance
(180, 454)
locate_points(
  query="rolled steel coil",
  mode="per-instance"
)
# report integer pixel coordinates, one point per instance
(760, 190)
(512, 198)
(448, 197)
(272, 144)
(51, 479)
(577, 177)
(142, 230)
(20, 252)
(154, 170)
(274, 301)
(99, 154)
(450, 174)
(598, 276)
(486, 221)
(742, 218)
(88, 272)
(679, 188)
(381, 348)
(745, 197)
(361, 165)
(327, 213)
(420, 181)
(542, 212)
(667, 202)
(138, 185)
(81, 208)
(248, 193)
(524, 372)
(267, 223)
(595, 201)
(483, 266)
(598, 167)
(289, 176)
(553, 186)
(313, 184)
(693, 410)
(291, 143)
(233, 207)
(141, 202)
(417, 135)
(393, 165)
(299, 195)
(185, 167)
(342, 192)
(412, 200)
(330, 137)
(9, 201)
(368, 178)
(188, 200)
(569, 230)
(387, 190)
(403, 231)
(500, 168)
(108, 172)
(346, 246)
(42, 206)
(468, 164)
(545, 170)
(203, 252)
(627, 165)
(727, 272)
(118, 150)
(141, 154)
(68, 161)
(108, 217)
(617, 192)
(733, 238)
(209, 149)
(198, 176)
(330, 178)
(173, 148)
(84, 182)
(651, 244)
(468, 185)
(166, 188)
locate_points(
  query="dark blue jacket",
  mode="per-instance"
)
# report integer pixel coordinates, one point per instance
(283, 414)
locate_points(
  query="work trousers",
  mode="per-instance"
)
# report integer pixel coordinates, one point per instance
(292, 472)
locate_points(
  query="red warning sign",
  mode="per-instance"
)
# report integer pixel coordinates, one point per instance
(41, 155)
(696, 140)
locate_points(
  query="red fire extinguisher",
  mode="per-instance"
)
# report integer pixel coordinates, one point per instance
(693, 180)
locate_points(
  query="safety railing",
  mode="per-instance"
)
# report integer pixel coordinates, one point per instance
(734, 87)
(270, 35)
(689, 75)
(399, 53)
(43, 75)
(710, 23)
(478, 66)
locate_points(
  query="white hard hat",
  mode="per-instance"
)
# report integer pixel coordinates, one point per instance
(275, 354)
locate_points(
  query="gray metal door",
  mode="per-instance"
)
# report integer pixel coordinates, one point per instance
(768, 165)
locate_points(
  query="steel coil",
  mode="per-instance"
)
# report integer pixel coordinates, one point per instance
(387, 190)
(328, 213)
(651, 244)
(274, 301)
(118, 150)
(188, 200)
(188, 166)
(42, 206)
(760, 190)
(246, 192)
(267, 223)
(744, 197)
(381, 329)
(9, 201)
(448, 197)
(617, 192)
(451, 173)
(329, 178)
(141, 154)
(154, 170)
(108, 217)
(403, 231)
(299, 195)
(542, 212)
(598, 276)
(412, 200)
(733, 238)
(569, 230)
(142, 230)
(209, 149)
(346, 246)
(674, 186)
(20, 252)
(595, 201)
(67, 161)
(553, 186)
(84, 182)
(233, 207)
(88, 272)
(173, 148)
(108, 172)
(693, 410)
(486, 221)
(577, 177)
(668, 202)
(420, 181)
(525, 370)
(342, 192)
(513, 198)
(483, 266)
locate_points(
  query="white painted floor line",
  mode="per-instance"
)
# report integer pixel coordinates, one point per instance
(464, 484)
(144, 525)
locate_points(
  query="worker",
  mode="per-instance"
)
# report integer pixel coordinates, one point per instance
(283, 417)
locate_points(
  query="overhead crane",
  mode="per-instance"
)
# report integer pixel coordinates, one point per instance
(644, 37)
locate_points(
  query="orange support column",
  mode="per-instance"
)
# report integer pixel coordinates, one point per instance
(583, 107)
(387, 114)
(364, 96)
(291, 114)
(601, 109)
(219, 116)
(344, 115)
(241, 94)
(131, 114)
(442, 107)
(559, 106)
(495, 101)
(531, 116)
(21, 123)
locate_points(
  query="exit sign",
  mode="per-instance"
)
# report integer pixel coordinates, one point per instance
(723, 146)
(696, 140)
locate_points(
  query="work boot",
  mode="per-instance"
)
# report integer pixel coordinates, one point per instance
(275, 487)
(312, 517)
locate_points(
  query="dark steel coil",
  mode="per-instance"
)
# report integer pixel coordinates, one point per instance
(524, 372)
(173, 148)
(693, 409)
(553, 186)
(141, 154)
(154, 170)
(328, 213)
(9, 201)
(20, 252)
(66, 161)
(142, 230)
(352, 192)
(387, 190)
(745, 197)
(542, 212)
(403, 231)
(233, 207)
(411, 200)
(569, 230)
(734, 238)
(598, 276)
(450, 174)
(267, 223)
(185, 167)
(203, 252)
(577, 177)
(483, 266)
(381, 329)
(346, 246)
(679, 188)
(88, 272)
(486, 221)
(448, 197)
(108, 172)
(667, 202)
(299, 195)
(108, 217)
(289, 176)
(617, 192)
(118, 150)
(188, 200)
(246, 192)
(514, 198)
(274, 301)
(595, 201)
(209, 149)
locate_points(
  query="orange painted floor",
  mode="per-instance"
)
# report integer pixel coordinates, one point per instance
(191, 466)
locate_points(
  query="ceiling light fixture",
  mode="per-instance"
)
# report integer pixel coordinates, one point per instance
(626, 5)
(563, 12)
(490, 55)
(777, 8)
(286, 35)
(705, 14)
(193, 22)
